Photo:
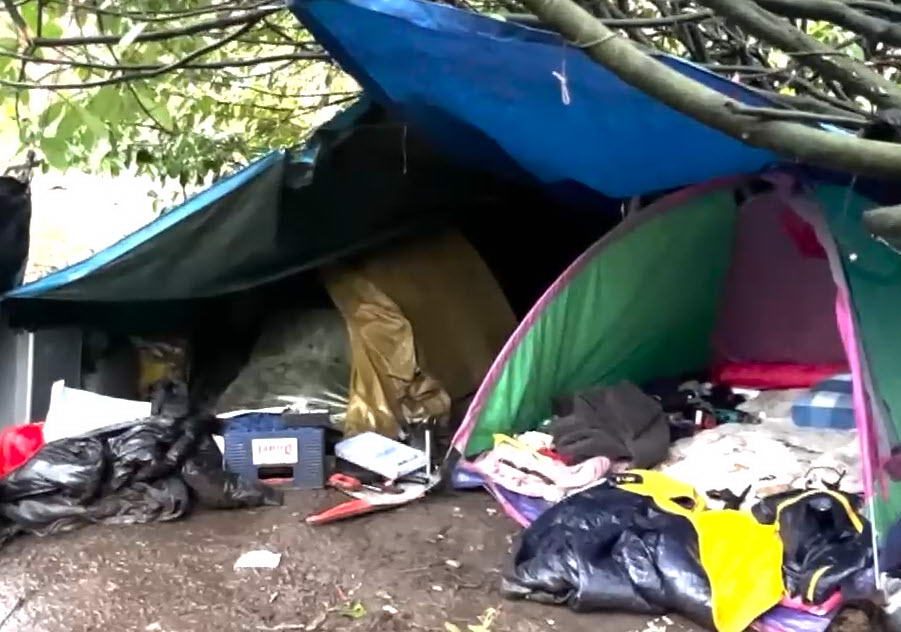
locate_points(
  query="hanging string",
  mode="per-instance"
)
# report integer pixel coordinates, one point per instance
(563, 79)
(403, 148)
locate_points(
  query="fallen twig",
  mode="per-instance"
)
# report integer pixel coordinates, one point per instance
(19, 603)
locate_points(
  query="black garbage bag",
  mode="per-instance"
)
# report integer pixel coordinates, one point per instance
(643, 542)
(827, 543)
(214, 488)
(152, 470)
(72, 469)
(608, 549)
(138, 452)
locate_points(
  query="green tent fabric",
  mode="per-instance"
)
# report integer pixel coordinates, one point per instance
(872, 272)
(643, 302)
(641, 306)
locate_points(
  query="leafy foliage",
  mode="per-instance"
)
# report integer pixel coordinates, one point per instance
(105, 86)
(186, 89)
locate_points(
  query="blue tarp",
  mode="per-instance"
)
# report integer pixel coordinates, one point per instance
(490, 93)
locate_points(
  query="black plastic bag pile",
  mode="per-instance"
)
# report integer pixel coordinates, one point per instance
(156, 469)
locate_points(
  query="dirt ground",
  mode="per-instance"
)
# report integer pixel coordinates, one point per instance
(414, 569)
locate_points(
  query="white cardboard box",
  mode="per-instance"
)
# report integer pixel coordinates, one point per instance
(392, 459)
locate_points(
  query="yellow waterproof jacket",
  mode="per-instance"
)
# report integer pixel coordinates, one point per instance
(741, 556)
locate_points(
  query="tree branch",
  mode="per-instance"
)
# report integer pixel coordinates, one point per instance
(775, 114)
(18, 20)
(840, 14)
(877, 7)
(627, 23)
(794, 140)
(853, 75)
(812, 90)
(212, 65)
(133, 76)
(163, 15)
(157, 36)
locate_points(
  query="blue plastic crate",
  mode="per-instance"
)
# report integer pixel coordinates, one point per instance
(258, 443)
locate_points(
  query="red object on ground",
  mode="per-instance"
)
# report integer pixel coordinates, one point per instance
(347, 509)
(764, 375)
(18, 444)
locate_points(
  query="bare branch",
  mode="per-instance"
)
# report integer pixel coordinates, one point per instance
(809, 88)
(793, 140)
(163, 15)
(840, 14)
(18, 20)
(747, 70)
(213, 65)
(146, 74)
(627, 23)
(156, 36)
(877, 7)
(774, 114)
(853, 75)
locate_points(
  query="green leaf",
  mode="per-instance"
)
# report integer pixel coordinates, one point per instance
(94, 124)
(113, 23)
(161, 114)
(55, 152)
(29, 13)
(97, 126)
(81, 17)
(106, 104)
(51, 28)
(9, 43)
(159, 111)
(50, 116)
(354, 610)
(69, 123)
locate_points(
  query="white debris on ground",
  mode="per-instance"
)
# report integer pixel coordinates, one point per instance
(259, 559)
(660, 624)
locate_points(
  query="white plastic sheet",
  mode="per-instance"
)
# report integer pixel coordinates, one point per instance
(74, 412)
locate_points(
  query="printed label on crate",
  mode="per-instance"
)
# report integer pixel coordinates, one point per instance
(274, 451)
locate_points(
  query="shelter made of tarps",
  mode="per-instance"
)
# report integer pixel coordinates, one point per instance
(515, 99)
(360, 182)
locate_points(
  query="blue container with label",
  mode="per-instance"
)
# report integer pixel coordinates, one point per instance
(269, 446)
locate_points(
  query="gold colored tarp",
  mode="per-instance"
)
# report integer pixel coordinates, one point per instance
(426, 319)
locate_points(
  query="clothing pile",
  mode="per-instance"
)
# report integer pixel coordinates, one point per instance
(644, 542)
(594, 432)
(754, 462)
(598, 431)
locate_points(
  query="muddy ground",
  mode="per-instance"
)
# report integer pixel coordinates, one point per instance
(417, 568)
